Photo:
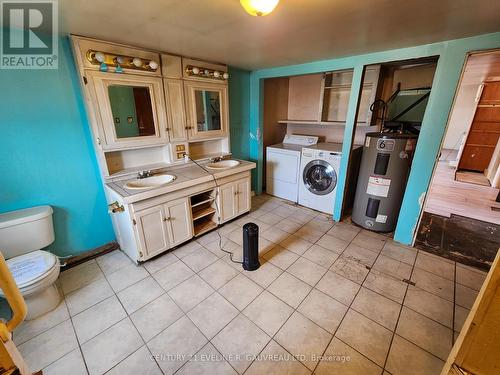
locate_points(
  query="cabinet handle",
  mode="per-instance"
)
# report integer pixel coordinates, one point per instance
(166, 219)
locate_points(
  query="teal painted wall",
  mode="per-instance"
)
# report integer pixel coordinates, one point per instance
(239, 115)
(239, 112)
(452, 55)
(46, 154)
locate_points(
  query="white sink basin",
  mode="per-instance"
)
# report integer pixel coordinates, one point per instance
(150, 182)
(223, 164)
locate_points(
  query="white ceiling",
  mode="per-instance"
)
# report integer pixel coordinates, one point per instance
(297, 31)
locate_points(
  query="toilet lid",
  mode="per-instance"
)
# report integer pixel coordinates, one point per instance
(29, 268)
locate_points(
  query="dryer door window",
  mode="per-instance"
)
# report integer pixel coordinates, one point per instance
(319, 177)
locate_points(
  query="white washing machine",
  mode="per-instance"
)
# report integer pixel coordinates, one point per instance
(283, 164)
(319, 170)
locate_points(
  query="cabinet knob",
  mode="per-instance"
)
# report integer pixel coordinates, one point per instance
(166, 219)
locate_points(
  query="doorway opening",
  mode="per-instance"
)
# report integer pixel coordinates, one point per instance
(461, 218)
(398, 109)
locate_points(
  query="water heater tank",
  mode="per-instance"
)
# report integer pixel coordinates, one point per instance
(384, 170)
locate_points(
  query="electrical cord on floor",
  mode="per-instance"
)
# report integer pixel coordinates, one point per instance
(217, 210)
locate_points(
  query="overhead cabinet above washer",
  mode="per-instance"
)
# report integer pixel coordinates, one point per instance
(323, 99)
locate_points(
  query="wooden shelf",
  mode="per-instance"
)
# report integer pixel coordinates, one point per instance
(346, 86)
(339, 87)
(198, 214)
(316, 123)
(309, 122)
(203, 227)
(193, 205)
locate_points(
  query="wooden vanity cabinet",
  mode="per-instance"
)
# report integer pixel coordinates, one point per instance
(234, 199)
(162, 227)
(149, 227)
(178, 221)
(174, 98)
(151, 231)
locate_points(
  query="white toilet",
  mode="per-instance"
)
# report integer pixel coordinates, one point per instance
(22, 234)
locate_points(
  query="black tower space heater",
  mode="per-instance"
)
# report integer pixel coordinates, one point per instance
(250, 247)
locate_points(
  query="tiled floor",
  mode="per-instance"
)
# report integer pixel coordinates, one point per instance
(331, 295)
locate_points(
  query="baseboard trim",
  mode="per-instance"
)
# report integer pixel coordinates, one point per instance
(88, 255)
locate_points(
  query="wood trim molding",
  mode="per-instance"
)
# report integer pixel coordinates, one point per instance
(88, 255)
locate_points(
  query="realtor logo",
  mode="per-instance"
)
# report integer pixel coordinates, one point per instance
(29, 35)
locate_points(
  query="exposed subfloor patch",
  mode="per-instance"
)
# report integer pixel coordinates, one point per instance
(468, 241)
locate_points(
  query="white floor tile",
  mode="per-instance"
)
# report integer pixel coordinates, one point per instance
(367, 337)
(72, 363)
(140, 294)
(174, 346)
(240, 291)
(173, 275)
(139, 362)
(289, 289)
(323, 310)
(49, 346)
(337, 363)
(153, 318)
(338, 287)
(88, 296)
(30, 328)
(96, 319)
(268, 312)
(240, 339)
(211, 315)
(110, 347)
(301, 336)
(191, 292)
(206, 362)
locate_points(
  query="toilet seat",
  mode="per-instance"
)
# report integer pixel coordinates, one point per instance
(44, 273)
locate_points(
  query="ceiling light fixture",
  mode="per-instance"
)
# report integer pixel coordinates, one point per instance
(259, 7)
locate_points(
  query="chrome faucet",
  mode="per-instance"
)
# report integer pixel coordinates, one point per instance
(145, 174)
(216, 159)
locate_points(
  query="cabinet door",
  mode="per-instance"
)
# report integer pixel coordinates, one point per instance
(151, 231)
(227, 201)
(179, 221)
(243, 195)
(131, 110)
(174, 92)
(207, 109)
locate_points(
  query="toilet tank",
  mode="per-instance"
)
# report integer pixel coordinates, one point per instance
(23, 231)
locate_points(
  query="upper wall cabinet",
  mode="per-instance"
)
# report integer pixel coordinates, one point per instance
(323, 99)
(145, 106)
(174, 95)
(336, 87)
(131, 110)
(206, 107)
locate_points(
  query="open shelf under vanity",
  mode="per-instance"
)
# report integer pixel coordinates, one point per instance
(204, 212)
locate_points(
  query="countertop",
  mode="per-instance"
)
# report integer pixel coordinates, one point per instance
(187, 175)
